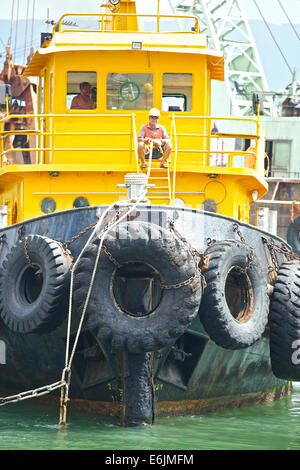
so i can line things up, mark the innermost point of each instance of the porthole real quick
(48, 205)
(81, 202)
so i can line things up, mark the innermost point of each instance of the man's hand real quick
(157, 143)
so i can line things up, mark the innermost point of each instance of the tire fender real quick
(235, 305)
(146, 243)
(285, 323)
(34, 300)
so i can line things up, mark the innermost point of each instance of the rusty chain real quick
(65, 245)
(183, 283)
(194, 252)
(78, 235)
(290, 255)
(274, 260)
(196, 256)
(33, 266)
(251, 256)
(110, 256)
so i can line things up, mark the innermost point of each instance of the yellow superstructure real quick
(79, 156)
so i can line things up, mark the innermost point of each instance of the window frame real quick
(178, 93)
(82, 111)
(110, 110)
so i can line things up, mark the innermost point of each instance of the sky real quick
(270, 8)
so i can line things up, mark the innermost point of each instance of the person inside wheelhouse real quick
(83, 100)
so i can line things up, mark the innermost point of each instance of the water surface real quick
(273, 426)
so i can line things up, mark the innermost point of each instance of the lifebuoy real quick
(293, 235)
(285, 323)
(34, 297)
(235, 305)
(138, 246)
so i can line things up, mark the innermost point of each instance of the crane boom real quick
(226, 24)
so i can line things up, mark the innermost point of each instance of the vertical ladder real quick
(162, 180)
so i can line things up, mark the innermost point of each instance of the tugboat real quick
(136, 287)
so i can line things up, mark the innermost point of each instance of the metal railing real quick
(201, 156)
(104, 16)
(40, 133)
(249, 157)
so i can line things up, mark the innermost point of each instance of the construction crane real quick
(226, 25)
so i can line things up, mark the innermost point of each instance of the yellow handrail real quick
(134, 135)
(175, 158)
(228, 154)
(51, 148)
(40, 133)
(57, 27)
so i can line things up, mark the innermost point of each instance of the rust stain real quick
(170, 408)
(205, 405)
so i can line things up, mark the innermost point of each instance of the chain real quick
(64, 397)
(237, 230)
(110, 256)
(251, 256)
(193, 251)
(33, 266)
(32, 393)
(107, 226)
(290, 255)
(21, 231)
(181, 284)
(65, 245)
(271, 248)
(114, 219)
(196, 255)
(79, 234)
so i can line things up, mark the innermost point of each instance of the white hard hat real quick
(154, 112)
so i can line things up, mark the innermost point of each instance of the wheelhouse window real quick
(81, 90)
(129, 91)
(177, 92)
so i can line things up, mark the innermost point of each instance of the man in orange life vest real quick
(158, 134)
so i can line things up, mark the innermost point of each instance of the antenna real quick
(11, 22)
(16, 34)
(26, 26)
(48, 21)
(65, 23)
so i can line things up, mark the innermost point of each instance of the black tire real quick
(293, 235)
(34, 300)
(139, 242)
(285, 323)
(235, 305)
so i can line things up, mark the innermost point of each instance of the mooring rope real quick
(66, 374)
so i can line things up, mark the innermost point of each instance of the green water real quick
(276, 425)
